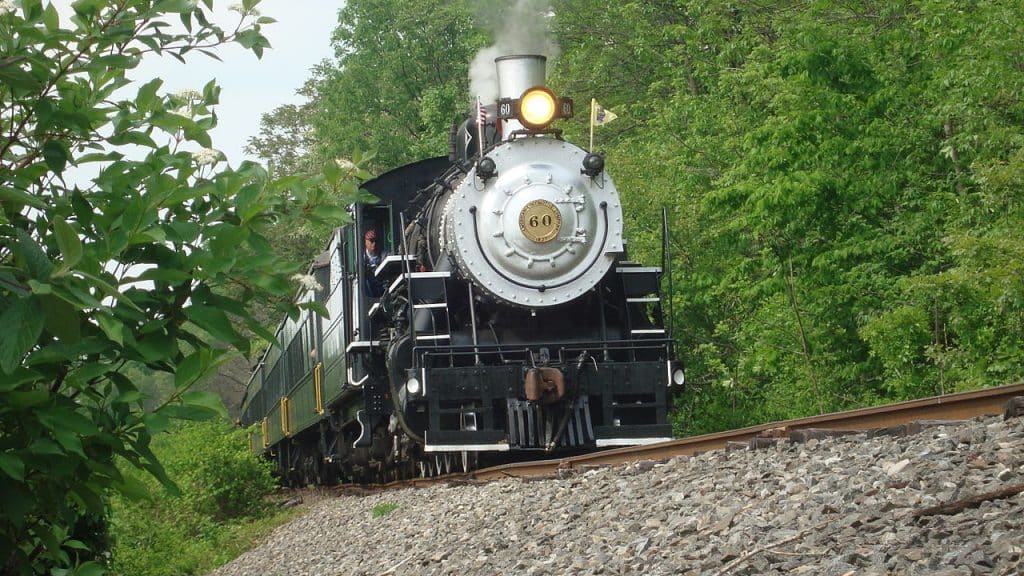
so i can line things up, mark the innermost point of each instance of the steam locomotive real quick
(506, 321)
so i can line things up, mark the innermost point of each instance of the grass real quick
(383, 509)
(169, 549)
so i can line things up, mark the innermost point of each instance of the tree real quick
(399, 79)
(286, 140)
(843, 185)
(154, 263)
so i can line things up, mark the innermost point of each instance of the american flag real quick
(481, 114)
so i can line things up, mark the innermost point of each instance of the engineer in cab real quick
(373, 255)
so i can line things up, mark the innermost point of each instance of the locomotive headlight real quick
(678, 377)
(537, 107)
(413, 386)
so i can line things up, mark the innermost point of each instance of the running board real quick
(465, 441)
(603, 442)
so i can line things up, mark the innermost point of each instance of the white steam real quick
(521, 27)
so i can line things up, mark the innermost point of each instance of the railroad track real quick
(947, 408)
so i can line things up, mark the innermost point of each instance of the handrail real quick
(285, 420)
(318, 391)
(353, 382)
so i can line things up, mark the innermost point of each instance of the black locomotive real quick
(501, 320)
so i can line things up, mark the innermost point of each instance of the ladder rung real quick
(416, 276)
(388, 260)
(434, 337)
(433, 305)
(648, 331)
(374, 309)
(361, 345)
(646, 299)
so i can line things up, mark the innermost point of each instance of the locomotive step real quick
(638, 270)
(390, 262)
(419, 278)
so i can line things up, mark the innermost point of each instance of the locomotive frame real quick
(447, 370)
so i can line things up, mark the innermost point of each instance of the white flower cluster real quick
(344, 164)
(206, 156)
(187, 94)
(238, 7)
(307, 281)
(6, 7)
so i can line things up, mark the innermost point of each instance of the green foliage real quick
(286, 140)
(399, 79)
(153, 263)
(844, 188)
(383, 509)
(843, 181)
(222, 505)
(219, 476)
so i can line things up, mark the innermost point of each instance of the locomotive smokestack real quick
(519, 72)
(516, 74)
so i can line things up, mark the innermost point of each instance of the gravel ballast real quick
(945, 502)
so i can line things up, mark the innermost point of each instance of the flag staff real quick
(593, 102)
(481, 117)
(599, 116)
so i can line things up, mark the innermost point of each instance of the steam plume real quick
(520, 27)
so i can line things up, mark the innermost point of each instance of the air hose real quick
(580, 363)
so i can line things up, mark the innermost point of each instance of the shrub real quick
(217, 473)
(222, 507)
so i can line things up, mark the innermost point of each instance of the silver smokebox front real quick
(516, 74)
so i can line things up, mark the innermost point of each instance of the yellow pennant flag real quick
(599, 115)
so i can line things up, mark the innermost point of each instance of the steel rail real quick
(947, 407)
(958, 406)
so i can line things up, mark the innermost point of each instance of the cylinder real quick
(519, 72)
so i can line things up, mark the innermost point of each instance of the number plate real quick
(540, 221)
(506, 109)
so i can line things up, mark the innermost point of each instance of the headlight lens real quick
(537, 107)
(678, 378)
(412, 385)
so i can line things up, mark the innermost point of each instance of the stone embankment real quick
(946, 501)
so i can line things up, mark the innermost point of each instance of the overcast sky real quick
(251, 87)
